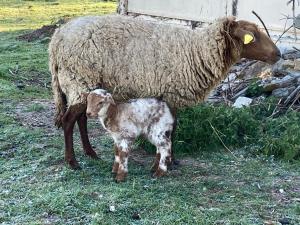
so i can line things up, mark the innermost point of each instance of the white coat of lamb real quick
(148, 117)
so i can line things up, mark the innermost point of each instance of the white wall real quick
(271, 11)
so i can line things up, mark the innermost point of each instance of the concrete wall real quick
(271, 11)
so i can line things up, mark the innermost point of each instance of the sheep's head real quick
(256, 44)
(98, 102)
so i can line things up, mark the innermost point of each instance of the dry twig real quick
(218, 136)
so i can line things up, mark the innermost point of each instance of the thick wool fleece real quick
(133, 58)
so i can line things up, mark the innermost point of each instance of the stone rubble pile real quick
(249, 82)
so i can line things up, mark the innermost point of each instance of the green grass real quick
(20, 14)
(210, 187)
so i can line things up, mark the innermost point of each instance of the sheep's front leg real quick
(123, 163)
(117, 160)
(165, 158)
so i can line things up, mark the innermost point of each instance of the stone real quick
(284, 65)
(254, 70)
(297, 64)
(280, 92)
(242, 102)
(279, 83)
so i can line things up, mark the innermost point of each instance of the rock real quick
(293, 54)
(112, 208)
(297, 64)
(279, 83)
(266, 72)
(295, 74)
(242, 101)
(20, 85)
(254, 70)
(284, 221)
(282, 65)
(281, 92)
(136, 216)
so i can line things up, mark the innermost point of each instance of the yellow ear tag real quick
(248, 39)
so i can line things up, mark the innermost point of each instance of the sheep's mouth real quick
(273, 60)
(91, 116)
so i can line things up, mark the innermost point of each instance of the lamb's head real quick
(255, 43)
(98, 102)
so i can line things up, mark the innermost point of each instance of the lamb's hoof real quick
(174, 164)
(120, 177)
(154, 168)
(91, 153)
(74, 165)
(115, 168)
(159, 173)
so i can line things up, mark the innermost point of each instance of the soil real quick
(41, 33)
(45, 31)
(37, 119)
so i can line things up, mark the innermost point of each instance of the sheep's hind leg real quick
(174, 163)
(82, 124)
(68, 122)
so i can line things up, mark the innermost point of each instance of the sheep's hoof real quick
(159, 173)
(120, 177)
(74, 165)
(91, 153)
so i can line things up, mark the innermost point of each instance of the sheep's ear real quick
(246, 36)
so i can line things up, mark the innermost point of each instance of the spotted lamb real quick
(149, 117)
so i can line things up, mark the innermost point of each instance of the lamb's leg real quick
(117, 160)
(155, 165)
(123, 164)
(165, 157)
(82, 124)
(68, 122)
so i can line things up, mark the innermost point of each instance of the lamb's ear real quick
(109, 98)
(84, 95)
(246, 37)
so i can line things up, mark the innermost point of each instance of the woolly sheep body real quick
(133, 58)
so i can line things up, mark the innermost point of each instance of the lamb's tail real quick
(59, 97)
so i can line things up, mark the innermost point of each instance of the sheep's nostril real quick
(88, 114)
(279, 54)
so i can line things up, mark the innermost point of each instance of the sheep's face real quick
(98, 102)
(256, 44)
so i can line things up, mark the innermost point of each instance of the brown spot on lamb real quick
(134, 58)
(126, 121)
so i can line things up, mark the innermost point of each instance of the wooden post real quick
(122, 7)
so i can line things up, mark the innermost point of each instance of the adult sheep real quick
(133, 58)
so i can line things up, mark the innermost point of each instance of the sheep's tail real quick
(59, 97)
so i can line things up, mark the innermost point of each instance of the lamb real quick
(126, 121)
(133, 58)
